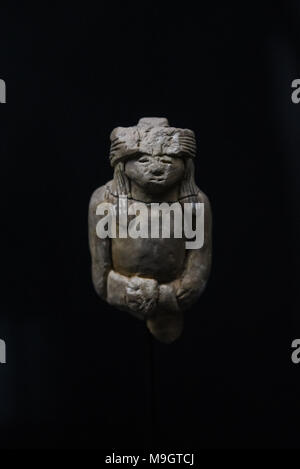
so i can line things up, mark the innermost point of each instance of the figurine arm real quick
(185, 290)
(132, 294)
(99, 248)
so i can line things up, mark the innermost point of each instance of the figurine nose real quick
(157, 170)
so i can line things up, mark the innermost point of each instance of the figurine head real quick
(154, 156)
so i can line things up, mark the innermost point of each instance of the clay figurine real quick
(154, 277)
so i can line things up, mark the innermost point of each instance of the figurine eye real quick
(144, 159)
(166, 161)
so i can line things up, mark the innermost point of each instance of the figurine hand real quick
(186, 295)
(141, 296)
(174, 295)
(167, 297)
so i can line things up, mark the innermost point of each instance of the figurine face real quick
(155, 174)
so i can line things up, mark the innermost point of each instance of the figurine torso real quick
(160, 259)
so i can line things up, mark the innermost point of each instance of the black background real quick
(80, 374)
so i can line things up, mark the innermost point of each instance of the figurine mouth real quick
(158, 179)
